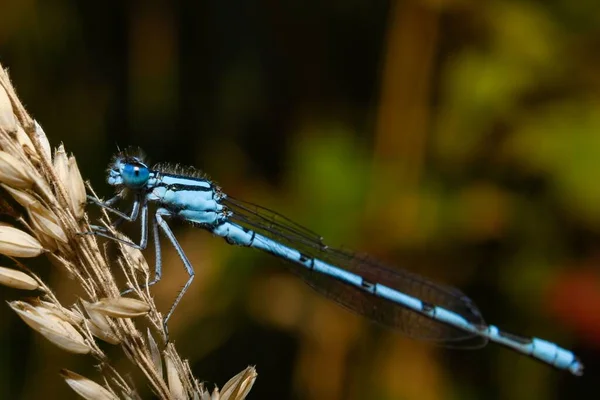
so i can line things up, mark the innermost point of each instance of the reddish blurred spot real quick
(575, 299)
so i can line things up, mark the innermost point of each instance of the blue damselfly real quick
(395, 298)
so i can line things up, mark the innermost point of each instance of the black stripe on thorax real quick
(178, 187)
(186, 177)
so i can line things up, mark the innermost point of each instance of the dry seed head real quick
(85, 387)
(238, 387)
(23, 198)
(61, 164)
(42, 219)
(16, 243)
(20, 174)
(76, 188)
(26, 143)
(51, 326)
(64, 313)
(62, 332)
(22, 169)
(205, 395)
(97, 317)
(47, 222)
(120, 307)
(17, 279)
(99, 325)
(103, 333)
(69, 175)
(173, 380)
(14, 172)
(155, 354)
(18, 109)
(7, 116)
(134, 256)
(43, 139)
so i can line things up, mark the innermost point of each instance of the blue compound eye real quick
(135, 175)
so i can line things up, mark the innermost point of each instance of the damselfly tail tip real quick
(577, 367)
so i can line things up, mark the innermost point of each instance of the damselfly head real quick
(128, 170)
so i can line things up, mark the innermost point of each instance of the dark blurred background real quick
(459, 139)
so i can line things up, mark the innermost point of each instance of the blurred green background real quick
(459, 139)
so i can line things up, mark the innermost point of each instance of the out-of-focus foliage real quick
(459, 139)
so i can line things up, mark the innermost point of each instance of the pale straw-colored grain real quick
(60, 162)
(74, 316)
(135, 257)
(26, 144)
(175, 384)
(13, 172)
(85, 387)
(16, 243)
(76, 188)
(155, 353)
(102, 333)
(70, 176)
(120, 307)
(97, 317)
(42, 219)
(22, 197)
(99, 325)
(51, 326)
(239, 386)
(215, 395)
(42, 140)
(7, 115)
(17, 279)
(46, 222)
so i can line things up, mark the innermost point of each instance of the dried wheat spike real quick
(45, 197)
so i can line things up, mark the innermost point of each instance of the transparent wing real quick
(280, 229)
(270, 220)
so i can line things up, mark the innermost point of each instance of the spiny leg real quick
(159, 221)
(110, 202)
(186, 263)
(108, 205)
(132, 217)
(158, 257)
(103, 232)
